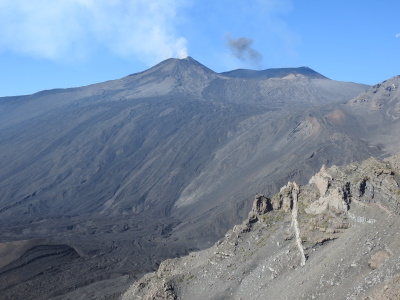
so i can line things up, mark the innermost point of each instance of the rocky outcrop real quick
(333, 193)
(261, 205)
(343, 224)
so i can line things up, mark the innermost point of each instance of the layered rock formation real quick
(334, 238)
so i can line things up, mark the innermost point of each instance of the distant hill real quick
(274, 73)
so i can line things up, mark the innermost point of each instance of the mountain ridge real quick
(173, 64)
(105, 168)
(274, 73)
(339, 208)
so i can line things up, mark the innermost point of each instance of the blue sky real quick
(47, 44)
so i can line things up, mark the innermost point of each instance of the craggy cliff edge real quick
(337, 237)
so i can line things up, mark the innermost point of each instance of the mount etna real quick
(99, 184)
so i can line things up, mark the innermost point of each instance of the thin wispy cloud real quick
(397, 35)
(242, 49)
(71, 29)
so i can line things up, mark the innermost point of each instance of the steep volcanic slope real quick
(378, 113)
(153, 165)
(278, 147)
(290, 144)
(117, 147)
(335, 238)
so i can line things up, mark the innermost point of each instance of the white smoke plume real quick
(72, 29)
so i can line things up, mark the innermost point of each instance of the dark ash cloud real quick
(241, 49)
